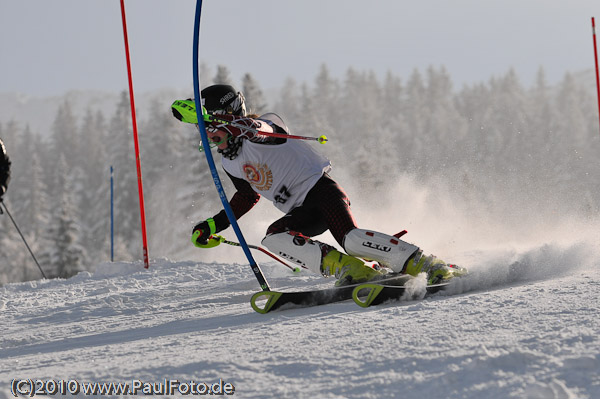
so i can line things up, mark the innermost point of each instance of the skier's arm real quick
(224, 124)
(242, 201)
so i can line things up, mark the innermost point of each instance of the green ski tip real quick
(371, 294)
(271, 298)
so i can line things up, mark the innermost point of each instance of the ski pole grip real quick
(207, 227)
(212, 242)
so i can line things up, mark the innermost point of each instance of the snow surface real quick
(523, 324)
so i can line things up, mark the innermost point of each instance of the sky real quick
(51, 47)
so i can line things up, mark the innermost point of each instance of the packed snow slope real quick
(523, 324)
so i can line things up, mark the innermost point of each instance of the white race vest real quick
(283, 173)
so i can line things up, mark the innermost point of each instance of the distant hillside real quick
(39, 112)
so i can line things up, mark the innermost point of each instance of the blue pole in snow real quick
(209, 158)
(112, 218)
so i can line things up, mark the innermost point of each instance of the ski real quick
(376, 293)
(275, 300)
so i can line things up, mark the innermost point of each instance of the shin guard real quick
(296, 248)
(385, 249)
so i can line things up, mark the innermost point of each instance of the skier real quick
(296, 179)
(4, 170)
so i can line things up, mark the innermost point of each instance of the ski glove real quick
(185, 111)
(202, 232)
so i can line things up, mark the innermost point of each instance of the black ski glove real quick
(202, 232)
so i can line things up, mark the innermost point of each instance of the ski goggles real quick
(214, 143)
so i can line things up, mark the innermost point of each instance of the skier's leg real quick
(330, 201)
(319, 257)
(398, 255)
(387, 250)
(304, 220)
(325, 207)
(327, 203)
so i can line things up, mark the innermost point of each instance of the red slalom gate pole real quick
(138, 163)
(596, 60)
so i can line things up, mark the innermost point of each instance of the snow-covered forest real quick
(497, 150)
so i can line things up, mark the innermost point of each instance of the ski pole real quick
(211, 118)
(185, 111)
(19, 230)
(220, 239)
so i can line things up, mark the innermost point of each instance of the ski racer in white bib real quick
(292, 175)
(272, 170)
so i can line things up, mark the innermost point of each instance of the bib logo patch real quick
(259, 176)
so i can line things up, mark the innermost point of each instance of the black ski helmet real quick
(223, 99)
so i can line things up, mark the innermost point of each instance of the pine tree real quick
(360, 123)
(288, 106)
(509, 121)
(65, 137)
(319, 107)
(121, 156)
(444, 129)
(255, 101)
(169, 149)
(326, 96)
(413, 111)
(94, 199)
(222, 77)
(67, 254)
(543, 128)
(394, 128)
(160, 142)
(391, 95)
(35, 205)
(205, 71)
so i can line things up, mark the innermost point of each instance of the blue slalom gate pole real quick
(209, 158)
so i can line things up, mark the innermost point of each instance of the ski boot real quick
(437, 270)
(347, 269)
